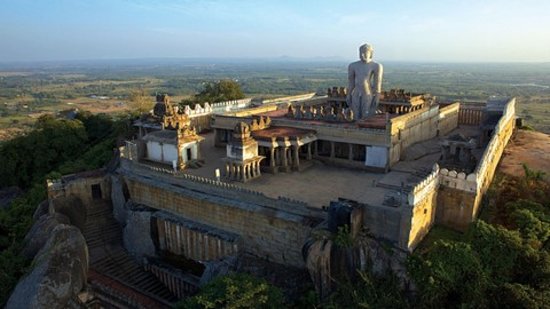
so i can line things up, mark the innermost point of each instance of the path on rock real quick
(529, 147)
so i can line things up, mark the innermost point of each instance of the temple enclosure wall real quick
(270, 233)
(460, 194)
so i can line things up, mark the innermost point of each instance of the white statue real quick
(365, 84)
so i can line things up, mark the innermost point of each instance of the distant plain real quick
(28, 90)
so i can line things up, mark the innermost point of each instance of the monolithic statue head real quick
(365, 53)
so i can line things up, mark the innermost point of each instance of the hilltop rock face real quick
(73, 208)
(40, 232)
(42, 209)
(59, 273)
(329, 263)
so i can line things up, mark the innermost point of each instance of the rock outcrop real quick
(42, 209)
(328, 263)
(40, 232)
(59, 273)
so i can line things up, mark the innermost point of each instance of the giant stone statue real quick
(365, 84)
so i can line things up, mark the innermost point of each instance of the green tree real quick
(450, 274)
(140, 101)
(223, 90)
(237, 290)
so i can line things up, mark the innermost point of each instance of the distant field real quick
(28, 92)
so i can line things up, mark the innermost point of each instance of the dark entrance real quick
(188, 154)
(96, 191)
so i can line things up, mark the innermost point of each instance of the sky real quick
(431, 30)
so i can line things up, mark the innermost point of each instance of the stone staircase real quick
(107, 257)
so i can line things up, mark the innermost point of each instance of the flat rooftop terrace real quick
(321, 183)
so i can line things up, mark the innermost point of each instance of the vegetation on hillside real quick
(501, 262)
(237, 290)
(55, 147)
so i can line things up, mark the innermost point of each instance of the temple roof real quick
(274, 131)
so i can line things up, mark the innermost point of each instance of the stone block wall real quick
(471, 114)
(411, 128)
(383, 221)
(194, 241)
(80, 186)
(420, 210)
(448, 118)
(270, 233)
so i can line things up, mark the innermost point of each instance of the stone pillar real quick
(284, 155)
(309, 151)
(272, 158)
(296, 156)
(350, 153)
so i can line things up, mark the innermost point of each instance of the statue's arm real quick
(351, 79)
(378, 79)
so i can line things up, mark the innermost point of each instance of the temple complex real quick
(273, 183)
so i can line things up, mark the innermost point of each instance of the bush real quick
(450, 274)
(234, 291)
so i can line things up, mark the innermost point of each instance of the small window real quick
(96, 191)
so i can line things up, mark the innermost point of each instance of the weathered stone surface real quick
(328, 263)
(137, 233)
(72, 207)
(40, 232)
(41, 209)
(59, 272)
(219, 268)
(118, 199)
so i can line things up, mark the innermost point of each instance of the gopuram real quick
(267, 187)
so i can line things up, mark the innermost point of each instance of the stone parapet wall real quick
(459, 180)
(293, 98)
(501, 135)
(226, 106)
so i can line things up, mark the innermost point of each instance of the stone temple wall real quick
(411, 128)
(448, 118)
(421, 209)
(266, 232)
(85, 186)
